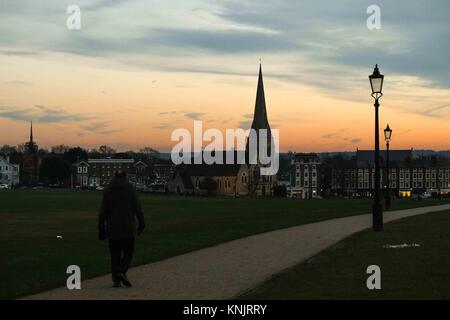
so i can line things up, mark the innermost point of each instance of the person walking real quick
(117, 222)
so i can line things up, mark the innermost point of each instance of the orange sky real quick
(142, 108)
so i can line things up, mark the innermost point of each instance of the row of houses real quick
(314, 177)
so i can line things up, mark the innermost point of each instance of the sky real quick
(139, 69)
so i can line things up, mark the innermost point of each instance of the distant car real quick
(100, 188)
(426, 195)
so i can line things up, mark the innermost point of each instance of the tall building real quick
(306, 181)
(31, 162)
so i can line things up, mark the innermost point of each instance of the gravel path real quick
(228, 269)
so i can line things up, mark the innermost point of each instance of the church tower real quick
(31, 162)
(260, 185)
(31, 147)
(260, 119)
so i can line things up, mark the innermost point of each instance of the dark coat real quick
(119, 207)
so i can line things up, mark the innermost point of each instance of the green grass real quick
(339, 272)
(33, 260)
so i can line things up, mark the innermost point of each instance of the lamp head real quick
(376, 82)
(387, 134)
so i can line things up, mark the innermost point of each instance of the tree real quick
(60, 149)
(21, 148)
(106, 150)
(7, 149)
(75, 154)
(54, 169)
(209, 185)
(280, 191)
(148, 151)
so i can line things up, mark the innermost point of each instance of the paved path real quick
(228, 269)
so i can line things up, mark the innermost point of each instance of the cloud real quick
(42, 114)
(223, 41)
(437, 112)
(17, 53)
(194, 115)
(340, 136)
(330, 135)
(19, 83)
(162, 126)
(245, 124)
(310, 42)
(167, 113)
(98, 127)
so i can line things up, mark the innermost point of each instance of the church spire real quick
(260, 120)
(31, 132)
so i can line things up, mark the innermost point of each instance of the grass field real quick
(340, 271)
(33, 259)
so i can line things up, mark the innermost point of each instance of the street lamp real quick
(376, 83)
(387, 138)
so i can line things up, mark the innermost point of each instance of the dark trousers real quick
(121, 255)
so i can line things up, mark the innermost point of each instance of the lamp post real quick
(387, 138)
(376, 83)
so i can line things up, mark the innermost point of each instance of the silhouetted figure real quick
(117, 222)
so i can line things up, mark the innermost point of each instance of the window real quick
(80, 169)
(85, 169)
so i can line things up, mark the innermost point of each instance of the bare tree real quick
(148, 151)
(21, 148)
(106, 150)
(7, 149)
(60, 149)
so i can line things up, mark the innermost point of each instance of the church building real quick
(231, 179)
